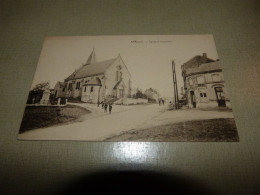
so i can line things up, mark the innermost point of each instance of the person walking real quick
(98, 104)
(110, 108)
(102, 105)
(105, 110)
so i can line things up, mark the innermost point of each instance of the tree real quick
(140, 94)
(152, 94)
(42, 86)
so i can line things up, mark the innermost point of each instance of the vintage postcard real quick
(129, 88)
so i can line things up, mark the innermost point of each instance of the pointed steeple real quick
(92, 58)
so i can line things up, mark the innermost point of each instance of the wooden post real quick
(175, 87)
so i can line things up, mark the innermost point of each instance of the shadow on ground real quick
(135, 182)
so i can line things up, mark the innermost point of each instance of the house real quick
(59, 89)
(204, 84)
(98, 81)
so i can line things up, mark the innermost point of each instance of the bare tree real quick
(42, 86)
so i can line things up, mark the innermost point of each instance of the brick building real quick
(204, 83)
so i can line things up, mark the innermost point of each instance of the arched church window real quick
(117, 75)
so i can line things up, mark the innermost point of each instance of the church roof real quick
(91, 70)
(92, 58)
(94, 81)
(203, 68)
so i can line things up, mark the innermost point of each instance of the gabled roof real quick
(92, 58)
(207, 67)
(197, 61)
(61, 83)
(91, 70)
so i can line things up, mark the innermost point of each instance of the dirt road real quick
(99, 125)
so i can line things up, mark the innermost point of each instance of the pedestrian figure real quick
(110, 108)
(102, 105)
(159, 102)
(98, 103)
(105, 108)
(163, 102)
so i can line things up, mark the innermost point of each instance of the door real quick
(220, 97)
(193, 99)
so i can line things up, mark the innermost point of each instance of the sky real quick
(147, 57)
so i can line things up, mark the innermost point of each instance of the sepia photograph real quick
(154, 88)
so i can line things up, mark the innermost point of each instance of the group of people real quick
(161, 101)
(105, 106)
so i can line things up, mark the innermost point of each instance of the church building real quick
(98, 81)
(204, 83)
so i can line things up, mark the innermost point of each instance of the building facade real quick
(99, 81)
(59, 90)
(204, 83)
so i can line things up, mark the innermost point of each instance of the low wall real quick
(136, 101)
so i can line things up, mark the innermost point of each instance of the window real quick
(92, 89)
(78, 85)
(116, 75)
(85, 89)
(215, 77)
(200, 80)
(190, 81)
(70, 87)
(203, 97)
(63, 89)
(120, 75)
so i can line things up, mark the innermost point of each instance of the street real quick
(98, 125)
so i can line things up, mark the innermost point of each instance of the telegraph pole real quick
(175, 87)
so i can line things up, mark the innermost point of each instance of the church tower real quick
(92, 58)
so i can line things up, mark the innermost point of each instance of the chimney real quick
(204, 55)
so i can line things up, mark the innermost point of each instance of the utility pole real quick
(175, 87)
